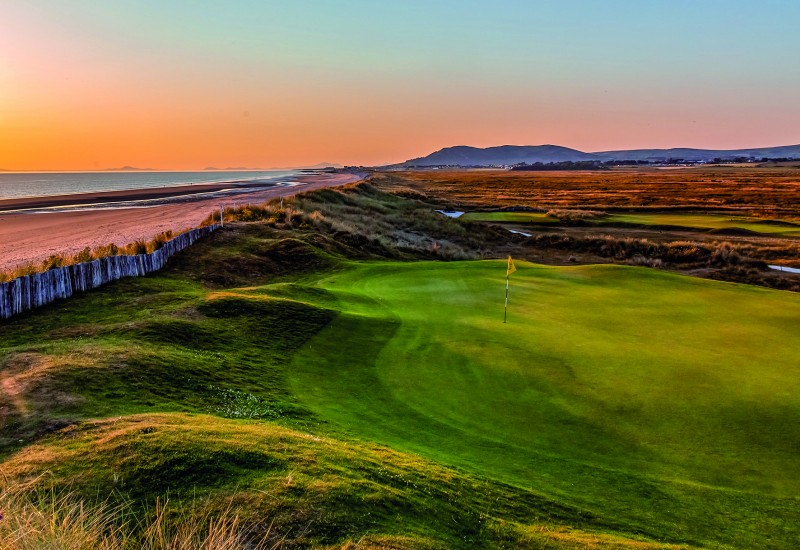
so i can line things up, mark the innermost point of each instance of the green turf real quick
(706, 221)
(689, 221)
(649, 398)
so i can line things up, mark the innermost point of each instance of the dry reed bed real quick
(756, 190)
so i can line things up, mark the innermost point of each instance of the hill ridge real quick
(503, 155)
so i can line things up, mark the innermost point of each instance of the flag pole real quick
(505, 309)
(510, 268)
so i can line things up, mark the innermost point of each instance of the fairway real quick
(507, 217)
(645, 397)
(688, 221)
(707, 221)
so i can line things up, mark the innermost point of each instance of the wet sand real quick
(27, 237)
(172, 194)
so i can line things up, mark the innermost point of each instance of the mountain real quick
(786, 151)
(244, 168)
(505, 155)
(231, 169)
(128, 169)
(311, 166)
(321, 165)
(463, 155)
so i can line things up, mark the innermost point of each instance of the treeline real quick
(607, 164)
(565, 165)
(582, 165)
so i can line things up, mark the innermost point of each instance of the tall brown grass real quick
(765, 192)
(37, 519)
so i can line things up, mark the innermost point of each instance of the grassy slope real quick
(161, 386)
(689, 221)
(648, 398)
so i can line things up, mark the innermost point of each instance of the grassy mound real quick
(295, 488)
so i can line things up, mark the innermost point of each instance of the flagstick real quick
(505, 309)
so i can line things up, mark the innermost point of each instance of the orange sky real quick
(185, 85)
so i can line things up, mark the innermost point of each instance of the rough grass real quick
(769, 192)
(37, 518)
(287, 488)
(374, 224)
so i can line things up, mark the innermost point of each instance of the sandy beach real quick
(27, 236)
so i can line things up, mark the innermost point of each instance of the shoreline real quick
(77, 221)
(129, 195)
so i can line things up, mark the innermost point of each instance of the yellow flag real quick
(511, 268)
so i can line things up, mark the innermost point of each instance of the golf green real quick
(643, 396)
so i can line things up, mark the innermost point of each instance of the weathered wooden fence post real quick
(38, 289)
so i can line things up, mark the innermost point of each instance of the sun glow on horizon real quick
(185, 85)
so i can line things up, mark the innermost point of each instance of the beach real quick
(30, 233)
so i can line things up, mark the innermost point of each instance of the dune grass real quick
(36, 519)
(647, 398)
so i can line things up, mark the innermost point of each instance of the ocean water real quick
(15, 185)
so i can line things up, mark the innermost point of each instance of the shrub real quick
(725, 254)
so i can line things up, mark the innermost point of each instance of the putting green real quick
(688, 221)
(640, 395)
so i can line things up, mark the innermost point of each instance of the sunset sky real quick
(189, 84)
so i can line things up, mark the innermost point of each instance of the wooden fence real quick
(36, 290)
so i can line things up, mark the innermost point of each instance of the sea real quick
(16, 185)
